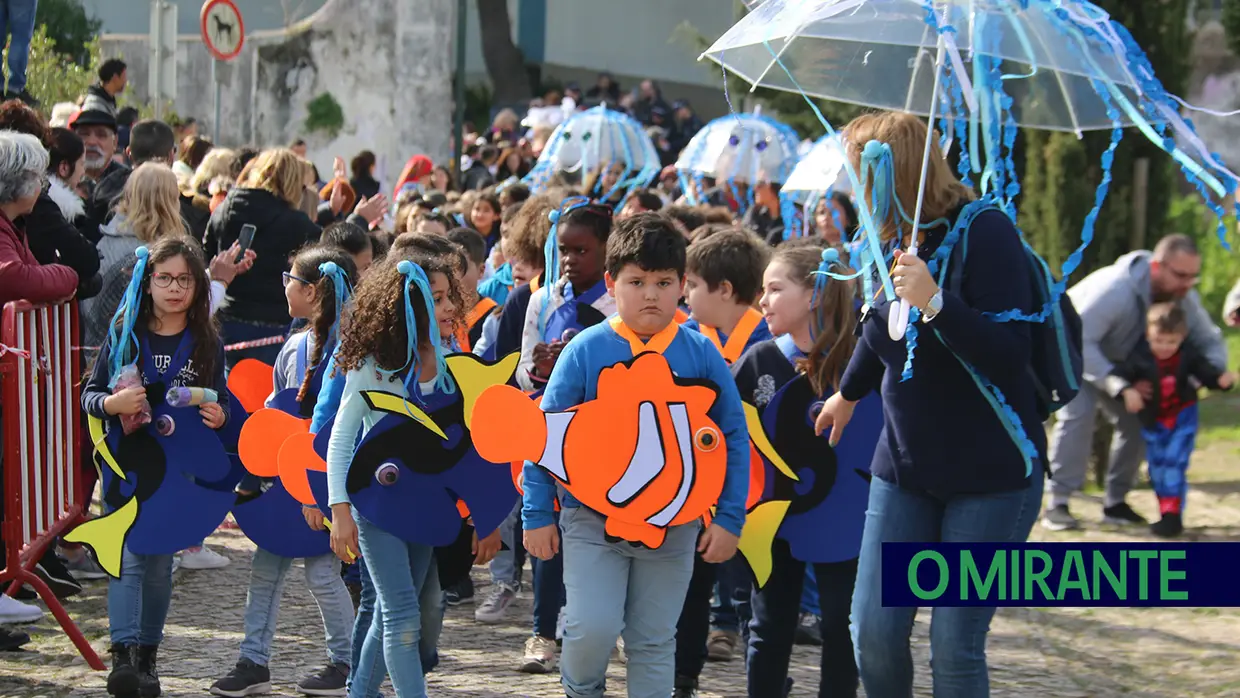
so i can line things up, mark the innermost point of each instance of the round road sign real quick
(222, 29)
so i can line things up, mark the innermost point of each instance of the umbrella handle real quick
(897, 318)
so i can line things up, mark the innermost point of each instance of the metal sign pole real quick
(215, 123)
(458, 121)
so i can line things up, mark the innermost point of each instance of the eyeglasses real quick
(165, 280)
(291, 277)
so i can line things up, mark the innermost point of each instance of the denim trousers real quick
(138, 601)
(776, 610)
(370, 668)
(17, 21)
(957, 635)
(732, 582)
(809, 593)
(398, 570)
(549, 592)
(617, 589)
(506, 566)
(262, 604)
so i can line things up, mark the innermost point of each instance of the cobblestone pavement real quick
(1060, 653)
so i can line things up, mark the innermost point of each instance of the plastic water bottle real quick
(188, 397)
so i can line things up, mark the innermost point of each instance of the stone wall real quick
(387, 63)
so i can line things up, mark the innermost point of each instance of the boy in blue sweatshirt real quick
(615, 588)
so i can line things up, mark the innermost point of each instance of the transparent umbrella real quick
(987, 65)
(819, 173)
(738, 149)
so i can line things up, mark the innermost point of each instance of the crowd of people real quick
(145, 222)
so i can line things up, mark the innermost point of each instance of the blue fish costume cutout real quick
(163, 492)
(417, 461)
(820, 513)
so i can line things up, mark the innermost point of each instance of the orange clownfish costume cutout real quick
(643, 453)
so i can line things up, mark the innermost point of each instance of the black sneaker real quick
(809, 630)
(24, 96)
(460, 594)
(246, 679)
(123, 681)
(52, 571)
(328, 681)
(686, 687)
(148, 674)
(1058, 518)
(1169, 526)
(12, 640)
(1122, 515)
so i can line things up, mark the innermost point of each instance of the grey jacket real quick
(1113, 302)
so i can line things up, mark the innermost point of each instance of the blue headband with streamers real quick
(416, 276)
(340, 283)
(121, 330)
(551, 250)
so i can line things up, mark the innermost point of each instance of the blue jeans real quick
(733, 581)
(371, 654)
(809, 593)
(618, 589)
(957, 635)
(262, 604)
(138, 601)
(17, 21)
(548, 593)
(776, 610)
(506, 566)
(233, 331)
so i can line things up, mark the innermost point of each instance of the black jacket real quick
(258, 295)
(476, 177)
(366, 187)
(102, 200)
(1193, 373)
(195, 216)
(54, 240)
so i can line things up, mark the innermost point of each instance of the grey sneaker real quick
(1058, 518)
(496, 606)
(540, 656)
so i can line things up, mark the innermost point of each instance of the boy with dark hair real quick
(615, 587)
(723, 279)
(1176, 370)
(475, 247)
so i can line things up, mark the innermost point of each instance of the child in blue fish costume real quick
(164, 325)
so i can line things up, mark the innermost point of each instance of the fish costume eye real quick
(815, 410)
(387, 474)
(707, 439)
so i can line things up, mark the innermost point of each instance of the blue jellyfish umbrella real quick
(737, 151)
(599, 142)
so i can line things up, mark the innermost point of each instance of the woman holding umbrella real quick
(948, 467)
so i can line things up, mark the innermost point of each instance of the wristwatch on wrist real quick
(933, 307)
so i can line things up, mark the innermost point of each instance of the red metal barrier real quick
(40, 401)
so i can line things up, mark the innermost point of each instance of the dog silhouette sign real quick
(223, 32)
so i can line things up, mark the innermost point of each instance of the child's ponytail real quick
(832, 325)
(335, 269)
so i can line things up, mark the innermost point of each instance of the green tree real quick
(53, 77)
(69, 27)
(1231, 23)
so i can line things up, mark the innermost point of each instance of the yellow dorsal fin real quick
(98, 438)
(758, 536)
(758, 436)
(473, 375)
(395, 404)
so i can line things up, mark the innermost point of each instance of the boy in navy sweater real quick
(615, 588)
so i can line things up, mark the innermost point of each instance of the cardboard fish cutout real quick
(812, 496)
(414, 464)
(643, 453)
(166, 486)
(250, 380)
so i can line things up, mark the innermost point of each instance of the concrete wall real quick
(384, 61)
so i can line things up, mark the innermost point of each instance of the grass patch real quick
(1219, 411)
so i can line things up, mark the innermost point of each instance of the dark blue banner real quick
(1061, 574)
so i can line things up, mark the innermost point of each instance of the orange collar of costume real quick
(658, 343)
(739, 337)
(484, 306)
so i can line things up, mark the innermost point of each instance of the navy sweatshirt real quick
(512, 321)
(941, 435)
(163, 347)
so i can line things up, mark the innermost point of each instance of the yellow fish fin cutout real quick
(758, 536)
(758, 436)
(106, 535)
(328, 523)
(395, 404)
(97, 437)
(474, 376)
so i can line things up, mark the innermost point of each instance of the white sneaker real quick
(14, 611)
(540, 654)
(559, 625)
(496, 606)
(202, 558)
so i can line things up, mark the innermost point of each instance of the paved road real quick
(1065, 653)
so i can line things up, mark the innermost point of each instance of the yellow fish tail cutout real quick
(758, 436)
(473, 376)
(97, 437)
(395, 404)
(106, 535)
(758, 536)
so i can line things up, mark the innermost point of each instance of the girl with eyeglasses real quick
(165, 329)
